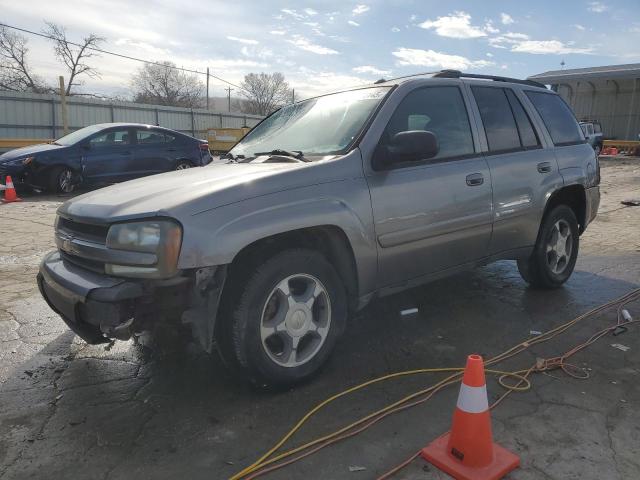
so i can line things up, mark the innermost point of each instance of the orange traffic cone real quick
(467, 452)
(10, 192)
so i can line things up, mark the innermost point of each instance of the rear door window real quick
(150, 137)
(440, 110)
(528, 137)
(497, 118)
(557, 117)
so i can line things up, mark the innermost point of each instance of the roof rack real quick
(459, 74)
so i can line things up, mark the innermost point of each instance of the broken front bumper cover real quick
(94, 306)
(98, 307)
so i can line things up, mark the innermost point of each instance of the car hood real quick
(185, 192)
(30, 150)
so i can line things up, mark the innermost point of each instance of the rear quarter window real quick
(557, 117)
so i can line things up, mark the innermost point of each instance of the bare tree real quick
(15, 71)
(164, 84)
(74, 56)
(265, 92)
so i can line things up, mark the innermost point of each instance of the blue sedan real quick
(103, 154)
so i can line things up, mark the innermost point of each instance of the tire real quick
(61, 180)
(597, 149)
(556, 250)
(183, 165)
(259, 330)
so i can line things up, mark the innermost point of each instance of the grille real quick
(93, 265)
(86, 231)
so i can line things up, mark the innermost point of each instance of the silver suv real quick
(325, 205)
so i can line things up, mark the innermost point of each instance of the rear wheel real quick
(183, 165)
(61, 180)
(285, 318)
(597, 149)
(556, 250)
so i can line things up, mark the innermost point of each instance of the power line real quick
(100, 50)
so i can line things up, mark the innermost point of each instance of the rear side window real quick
(150, 137)
(499, 123)
(528, 136)
(557, 117)
(440, 110)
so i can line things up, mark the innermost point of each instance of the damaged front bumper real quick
(99, 307)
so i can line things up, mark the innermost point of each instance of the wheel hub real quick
(297, 321)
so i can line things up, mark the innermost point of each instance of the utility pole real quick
(293, 95)
(229, 97)
(63, 107)
(207, 88)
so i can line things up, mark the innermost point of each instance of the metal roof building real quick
(609, 94)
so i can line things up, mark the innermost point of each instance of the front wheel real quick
(556, 250)
(285, 318)
(61, 180)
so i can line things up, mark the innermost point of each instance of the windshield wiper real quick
(297, 154)
(230, 156)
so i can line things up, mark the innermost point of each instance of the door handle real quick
(544, 167)
(124, 154)
(475, 179)
(171, 149)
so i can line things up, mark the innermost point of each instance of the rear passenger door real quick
(432, 214)
(153, 153)
(522, 171)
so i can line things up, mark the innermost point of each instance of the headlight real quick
(161, 237)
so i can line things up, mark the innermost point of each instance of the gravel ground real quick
(74, 411)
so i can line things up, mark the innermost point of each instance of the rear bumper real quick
(98, 307)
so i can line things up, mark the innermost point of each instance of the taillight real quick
(204, 146)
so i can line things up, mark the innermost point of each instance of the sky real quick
(322, 46)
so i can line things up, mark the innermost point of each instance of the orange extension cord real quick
(265, 465)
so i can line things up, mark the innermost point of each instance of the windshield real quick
(318, 126)
(78, 135)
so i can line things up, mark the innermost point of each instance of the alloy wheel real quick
(65, 181)
(295, 320)
(559, 247)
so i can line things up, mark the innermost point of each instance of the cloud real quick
(304, 44)
(246, 41)
(370, 69)
(597, 7)
(455, 25)
(516, 36)
(395, 29)
(489, 54)
(520, 42)
(311, 82)
(430, 58)
(579, 27)
(277, 32)
(545, 47)
(310, 11)
(506, 19)
(360, 9)
(353, 24)
(293, 13)
(489, 28)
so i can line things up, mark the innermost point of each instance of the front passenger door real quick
(433, 214)
(107, 156)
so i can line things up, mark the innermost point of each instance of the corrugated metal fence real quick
(30, 115)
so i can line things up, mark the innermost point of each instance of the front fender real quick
(215, 237)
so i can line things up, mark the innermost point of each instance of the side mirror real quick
(413, 145)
